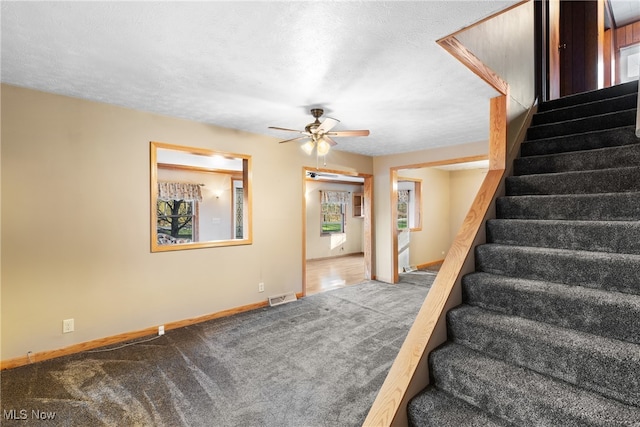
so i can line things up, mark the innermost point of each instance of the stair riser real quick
(616, 157)
(610, 92)
(589, 124)
(549, 351)
(590, 182)
(604, 207)
(522, 397)
(614, 272)
(584, 141)
(433, 408)
(626, 102)
(585, 311)
(615, 237)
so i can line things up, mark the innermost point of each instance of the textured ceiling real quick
(249, 65)
(624, 11)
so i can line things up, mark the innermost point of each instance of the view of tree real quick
(175, 218)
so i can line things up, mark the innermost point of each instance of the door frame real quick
(367, 194)
(549, 27)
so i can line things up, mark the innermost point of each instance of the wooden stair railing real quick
(410, 371)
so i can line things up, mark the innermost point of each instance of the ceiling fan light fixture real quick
(323, 147)
(308, 147)
(320, 133)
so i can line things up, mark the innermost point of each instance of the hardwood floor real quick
(333, 273)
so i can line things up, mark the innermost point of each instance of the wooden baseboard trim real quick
(127, 336)
(430, 263)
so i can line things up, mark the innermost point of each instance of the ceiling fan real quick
(319, 134)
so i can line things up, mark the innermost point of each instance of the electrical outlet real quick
(67, 326)
(261, 287)
(161, 330)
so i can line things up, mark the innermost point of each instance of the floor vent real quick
(282, 299)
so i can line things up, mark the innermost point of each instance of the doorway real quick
(580, 49)
(337, 229)
(426, 217)
(575, 49)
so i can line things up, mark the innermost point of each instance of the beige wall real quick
(323, 246)
(506, 45)
(76, 226)
(464, 185)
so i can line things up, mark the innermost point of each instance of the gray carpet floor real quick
(318, 361)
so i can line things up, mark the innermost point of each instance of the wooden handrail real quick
(464, 55)
(410, 371)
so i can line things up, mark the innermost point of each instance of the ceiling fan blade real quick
(289, 130)
(294, 139)
(326, 125)
(349, 133)
(329, 140)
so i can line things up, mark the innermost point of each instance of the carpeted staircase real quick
(549, 330)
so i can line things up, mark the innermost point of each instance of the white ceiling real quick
(624, 11)
(249, 65)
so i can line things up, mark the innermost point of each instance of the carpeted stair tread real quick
(586, 124)
(601, 270)
(625, 179)
(602, 158)
(603, 365)
(593, 108)
(438, 409)
(612, 315)
(599, 236)
(581, 141)
(521, 396)
(549, 330)
(587, 207)
(590, 96)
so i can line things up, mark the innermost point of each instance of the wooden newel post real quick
(498, 133)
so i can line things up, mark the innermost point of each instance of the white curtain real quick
(335, 197)
(179, 191)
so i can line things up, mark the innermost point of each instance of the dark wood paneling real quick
(627, 35)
